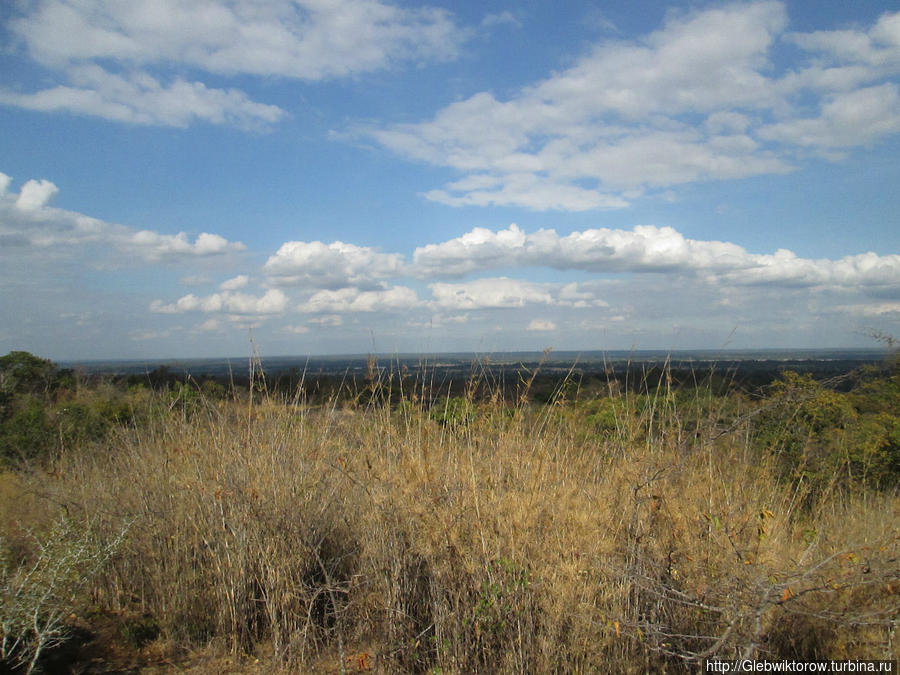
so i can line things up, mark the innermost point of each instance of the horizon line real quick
(548, 353)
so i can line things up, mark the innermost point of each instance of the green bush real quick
(27, 433)
(602, 416)
(826, 438)
(79, 423)
(453, 412)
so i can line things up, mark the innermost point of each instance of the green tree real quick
(25, 373)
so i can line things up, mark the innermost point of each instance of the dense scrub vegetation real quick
(402, 527)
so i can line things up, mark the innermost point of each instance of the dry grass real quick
(517, 540)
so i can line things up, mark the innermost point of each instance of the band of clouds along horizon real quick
(338, 277)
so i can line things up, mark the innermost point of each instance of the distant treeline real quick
(345, 379)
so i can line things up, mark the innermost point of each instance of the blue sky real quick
(345, 176)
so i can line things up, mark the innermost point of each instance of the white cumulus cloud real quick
(156, 246)
(331, 266)
(27, 220)
(785, 268)
(645, 248)
(35, 194)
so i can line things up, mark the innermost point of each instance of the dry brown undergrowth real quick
(512, 541)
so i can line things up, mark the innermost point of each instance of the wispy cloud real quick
(846, 120)
(331, 320)
(541, 325)
(139, 98)
(273, 301)
(697, 100)
(106, 53)
(878, 48)
(497, 293)
(348, 300)
(506, 293)
(306, 39)
(235, 283)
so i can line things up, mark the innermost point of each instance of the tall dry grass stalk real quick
(510, 538)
